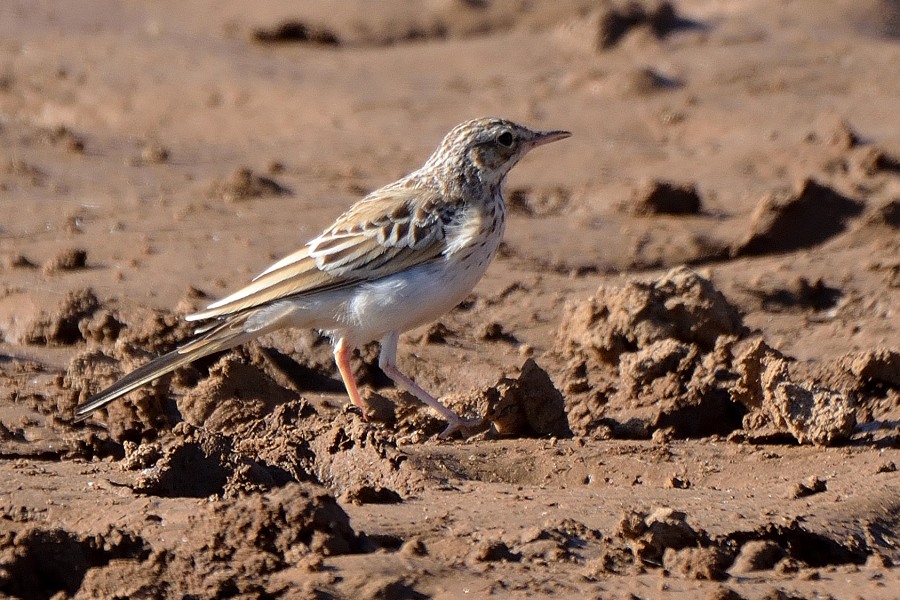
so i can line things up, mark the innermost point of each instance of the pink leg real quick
(387, 361)
(342, 359)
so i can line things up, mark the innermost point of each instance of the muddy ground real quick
(687, 352)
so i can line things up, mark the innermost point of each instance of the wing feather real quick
(388, 231)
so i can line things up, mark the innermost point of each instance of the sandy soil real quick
(688, 351)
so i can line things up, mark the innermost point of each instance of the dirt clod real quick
(67, 260)
(778, 404)
(663, 198)
(369, 494)
(617, 20)
(682, 305)
(244, 184)
(296, 32)
(527, 405)
(63, 325)
(808, 487)
(875, 366)
(650, 535)
(234, 393)
(697, 563)
(757, 555)
(804, 217)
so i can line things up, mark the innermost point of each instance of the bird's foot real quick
(465, 427)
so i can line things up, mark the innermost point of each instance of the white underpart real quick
(396, 303)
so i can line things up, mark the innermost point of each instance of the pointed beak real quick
(545, 137)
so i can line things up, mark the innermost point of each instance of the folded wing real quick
(386, 232)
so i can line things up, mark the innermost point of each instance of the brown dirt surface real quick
(685, 359)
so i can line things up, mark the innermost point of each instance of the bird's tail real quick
(220, 336)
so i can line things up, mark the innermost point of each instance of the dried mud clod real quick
(664, 538)
(38, 562)
(617, 20)
(16, 261)
(800, 294)
(295, 519)
(649, 355)
(21, 169)
(141, 413)
(155, 153)
(295, 32)
(650, 534)
(229, 453)
(875, 366)
(808, 487)
(872, 161)
(806, 216)
(538, 202)
(123, 348)
(199, 464)
(778, 406)
(63, 136)
(244, 184)
(682, 305)
(67, 260)
(554, 541)
(697, 563)
(773, 545)
(233, 547)
(233, 394)
(663, 198)
(528, 405)
(885, 213)
(666, 355)
(62, 326)
(757, 555)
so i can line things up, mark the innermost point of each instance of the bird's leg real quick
(342, 359)
(387, 361)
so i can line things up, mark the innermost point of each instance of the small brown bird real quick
(400, 257)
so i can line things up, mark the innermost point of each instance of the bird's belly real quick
(411, 298)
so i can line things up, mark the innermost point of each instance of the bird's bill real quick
(545, 137)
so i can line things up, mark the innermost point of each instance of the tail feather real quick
(221, 336)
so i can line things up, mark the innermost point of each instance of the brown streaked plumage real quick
(398, 258)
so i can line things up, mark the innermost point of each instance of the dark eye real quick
(505, 139)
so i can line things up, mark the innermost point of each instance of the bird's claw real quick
(464, 426)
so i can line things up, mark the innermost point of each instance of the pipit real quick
(400, 257)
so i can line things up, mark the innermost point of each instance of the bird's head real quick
(488, 148)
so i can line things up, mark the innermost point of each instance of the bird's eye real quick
(505, 139)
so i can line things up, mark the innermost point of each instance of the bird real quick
(398, 258)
